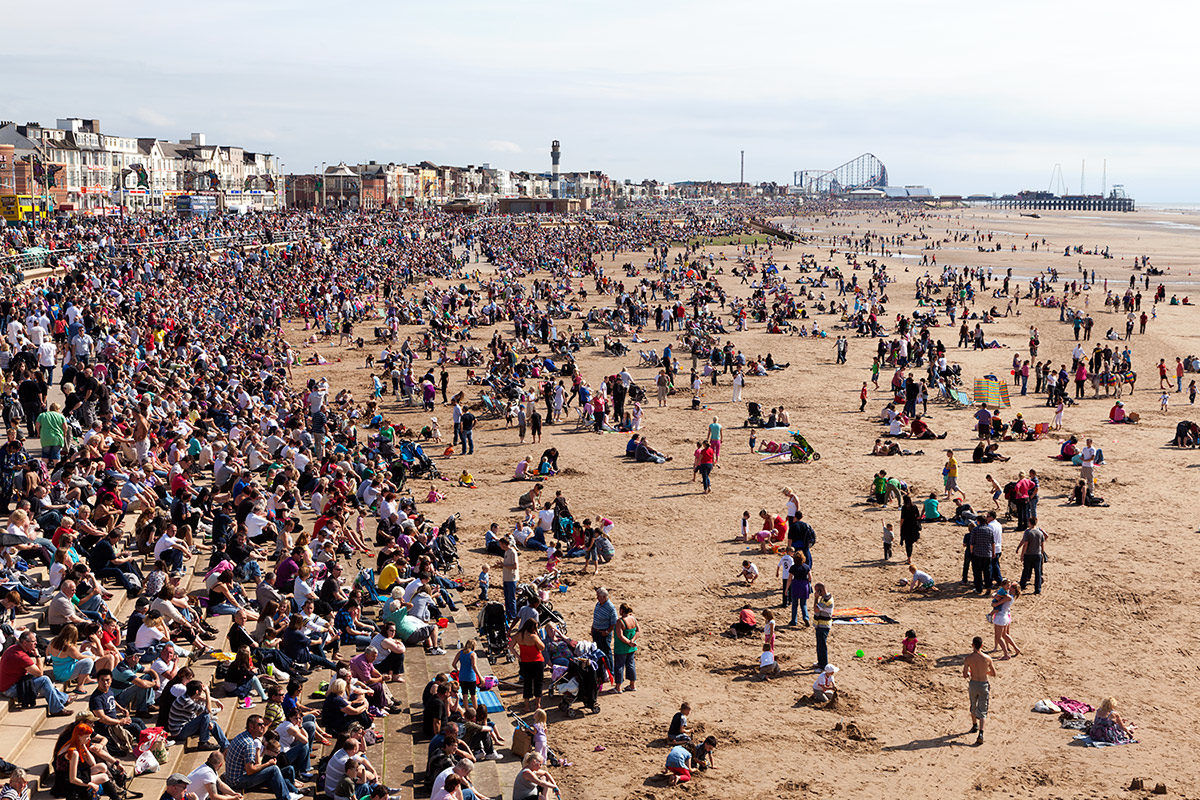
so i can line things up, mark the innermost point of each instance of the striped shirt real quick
(604, 616)
(823, 611)
(183, 711)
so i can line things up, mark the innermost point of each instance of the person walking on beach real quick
(739, 380)
(977, 669)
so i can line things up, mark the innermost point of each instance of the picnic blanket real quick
(1088, 741)
(861, 615)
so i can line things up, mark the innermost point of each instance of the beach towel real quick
(855, 611)
(1088, 741)
(491, 701)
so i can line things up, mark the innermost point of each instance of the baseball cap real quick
(177, 778)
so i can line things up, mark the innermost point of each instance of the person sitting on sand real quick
(645, 453)
(930, 511)
(1069, 449)
(679, 730)
(1119, 416)
(908, 649)
(1082, 495)
(1108, 726)
(768, 667)
(747, 623)
(885, 449)
(824, 688)
(466, 479)
(749, 573)
(921, 581)
(919, 429)
(522, 471)
(530, 498)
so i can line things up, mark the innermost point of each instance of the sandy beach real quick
(1115, 617)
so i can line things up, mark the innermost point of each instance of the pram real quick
(492, 626)
(580, 683)
(636, 393)
(756, 419)
(366, 580)
(419, 465)
(546, 613)
(799, 451)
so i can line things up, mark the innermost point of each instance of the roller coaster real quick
(864, 172)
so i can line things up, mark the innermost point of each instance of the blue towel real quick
(490, 700)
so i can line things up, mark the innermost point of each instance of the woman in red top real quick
(530, 648)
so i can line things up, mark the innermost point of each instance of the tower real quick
(554, 156)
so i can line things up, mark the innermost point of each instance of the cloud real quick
(151, 117)
(501, 146)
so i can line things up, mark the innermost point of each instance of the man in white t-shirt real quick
(204, 782)
(1087, 464)
(171, 551)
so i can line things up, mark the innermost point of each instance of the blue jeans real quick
(270, 778)
(623, 665)
(136, 699)
(222, 608)
(822, 647)
(297, 756)
(56, 701)
(798, 605)
(252, 685)
(51, 452)
(204, 726)
(510, 599)
(468, 442)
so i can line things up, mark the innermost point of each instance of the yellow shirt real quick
(387, 576)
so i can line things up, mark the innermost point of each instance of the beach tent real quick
(991, 391)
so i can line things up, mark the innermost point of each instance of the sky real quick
(963, 97)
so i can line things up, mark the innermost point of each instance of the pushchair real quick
(756, 419)
(581, 683)
(419, 465)
(546, 613)
(492, 626)
(636, 393)
(367, 581)
(801, 451)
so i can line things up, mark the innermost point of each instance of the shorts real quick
(684, 773)
(951, 483)
(979, 692)
(996, 494)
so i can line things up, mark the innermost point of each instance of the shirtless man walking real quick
(977, 668)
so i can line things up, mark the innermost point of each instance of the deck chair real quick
(1041, 429)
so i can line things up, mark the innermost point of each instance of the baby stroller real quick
(419, 465)
(580, 683)
(367, 581)
(636, 393)
(756, 419)
(801, 451)
(493, 632)
(546, 613)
